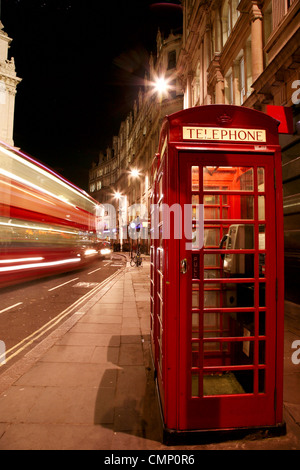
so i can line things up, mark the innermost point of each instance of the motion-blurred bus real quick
(47, 225)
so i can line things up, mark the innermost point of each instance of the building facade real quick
(111, 180)
(247, 53)
(8, 88)
(239, 52)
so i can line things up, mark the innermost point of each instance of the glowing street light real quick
(161, 85)
(135, 172)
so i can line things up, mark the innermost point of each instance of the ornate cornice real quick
(9, 77)
(214, 72)
(3, 34)
(8, 68)
(255, 12)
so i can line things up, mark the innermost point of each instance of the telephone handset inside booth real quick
(239, 237)
(241, 265)
(238, 265)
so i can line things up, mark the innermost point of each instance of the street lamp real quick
(122, 216)
(117, 195)
(161, 85)
(135, 172)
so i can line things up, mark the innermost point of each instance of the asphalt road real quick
(31, 310)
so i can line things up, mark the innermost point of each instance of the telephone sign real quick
(224, 134)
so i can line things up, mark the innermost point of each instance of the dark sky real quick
(81, 62)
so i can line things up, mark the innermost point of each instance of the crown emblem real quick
(224, 119)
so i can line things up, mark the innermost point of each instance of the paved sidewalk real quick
(89, 385)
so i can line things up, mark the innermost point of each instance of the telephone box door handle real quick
(183, 266)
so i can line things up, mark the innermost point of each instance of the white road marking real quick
(87, 285)
(12, 306)
(40, 332)
(94, 271)
(60, 285)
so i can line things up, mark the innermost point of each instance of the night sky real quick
(81, 64)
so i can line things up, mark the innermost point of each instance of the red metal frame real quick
(190, 413)
(172, 291)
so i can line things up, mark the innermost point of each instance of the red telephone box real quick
(217, 274)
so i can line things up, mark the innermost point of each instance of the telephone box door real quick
(227, 290)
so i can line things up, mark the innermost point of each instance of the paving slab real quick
(90, 386)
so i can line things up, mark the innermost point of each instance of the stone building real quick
(8, 86)
(136, 143)
(240, 52)
(247, 53)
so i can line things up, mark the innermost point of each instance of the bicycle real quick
(136, 260)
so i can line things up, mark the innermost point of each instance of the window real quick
(229, 88)
(229, 20)
(229, 16)
(243, 74)
(268, 22)
(172, 91)
(248, 66)
(233, 302)
(235, 12)
(226, 21)
(242, 79)
(171, 60)
(280, 9)
(196, 86)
